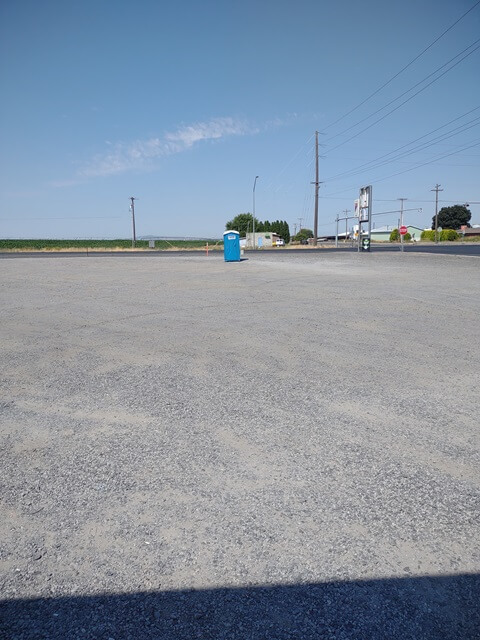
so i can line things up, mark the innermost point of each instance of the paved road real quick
(467, 249)
(286, 447)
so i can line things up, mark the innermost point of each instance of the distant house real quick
(382, 234)
(471, 232)
(262, 239)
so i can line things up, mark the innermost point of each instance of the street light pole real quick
(346, 212)
(253, 222)
(132, 209)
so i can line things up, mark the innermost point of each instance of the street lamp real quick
(253, 222)
(132, 209)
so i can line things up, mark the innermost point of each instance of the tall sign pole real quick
(364, 209)
(132, 209)
(370, 203)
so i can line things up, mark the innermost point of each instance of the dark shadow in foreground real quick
(421, 608)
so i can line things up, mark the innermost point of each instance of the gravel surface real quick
(277, 448)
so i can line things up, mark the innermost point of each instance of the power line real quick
(421, 147)
(385, 155)
(292, 158)
(403, 68)
(408, 90)
(66, 218)
(417, 166)
(411, 97)
(469, 200)
(424, 164)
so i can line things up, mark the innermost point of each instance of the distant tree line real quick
(243, 223)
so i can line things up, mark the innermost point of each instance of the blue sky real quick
(181, 104)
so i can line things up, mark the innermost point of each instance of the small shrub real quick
(428, 234)
(448, 235)
(407, 237)
(395, 236)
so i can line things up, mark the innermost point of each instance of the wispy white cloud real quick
(274, 123)
(140, 154)
(66, 183)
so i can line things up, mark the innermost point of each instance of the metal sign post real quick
(364, 208)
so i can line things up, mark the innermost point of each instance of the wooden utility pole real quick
(132, 208)
(402, 200)
(436, 189)
(315, 219)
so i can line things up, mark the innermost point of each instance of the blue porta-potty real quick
(231, 246)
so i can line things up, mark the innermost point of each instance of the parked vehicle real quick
(280, 242)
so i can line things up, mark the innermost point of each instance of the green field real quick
(64, 245)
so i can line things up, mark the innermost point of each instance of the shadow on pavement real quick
(420, 608)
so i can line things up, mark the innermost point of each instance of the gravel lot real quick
(277, 448)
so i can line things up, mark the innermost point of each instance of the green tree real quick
(275, 227)
(303, 235)
(395, 236)
(453, 217)
(242, 223)
(285, 231)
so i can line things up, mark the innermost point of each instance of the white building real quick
(262, 239)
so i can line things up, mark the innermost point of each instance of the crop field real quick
(79, 244)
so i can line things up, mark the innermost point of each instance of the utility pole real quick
(300, 225)
(346, 212)
(316, 183)
(402, 200)
(437, 189)
(336, 232)
(132, 209)
(253, 222)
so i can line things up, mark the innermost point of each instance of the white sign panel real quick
(364, 204)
